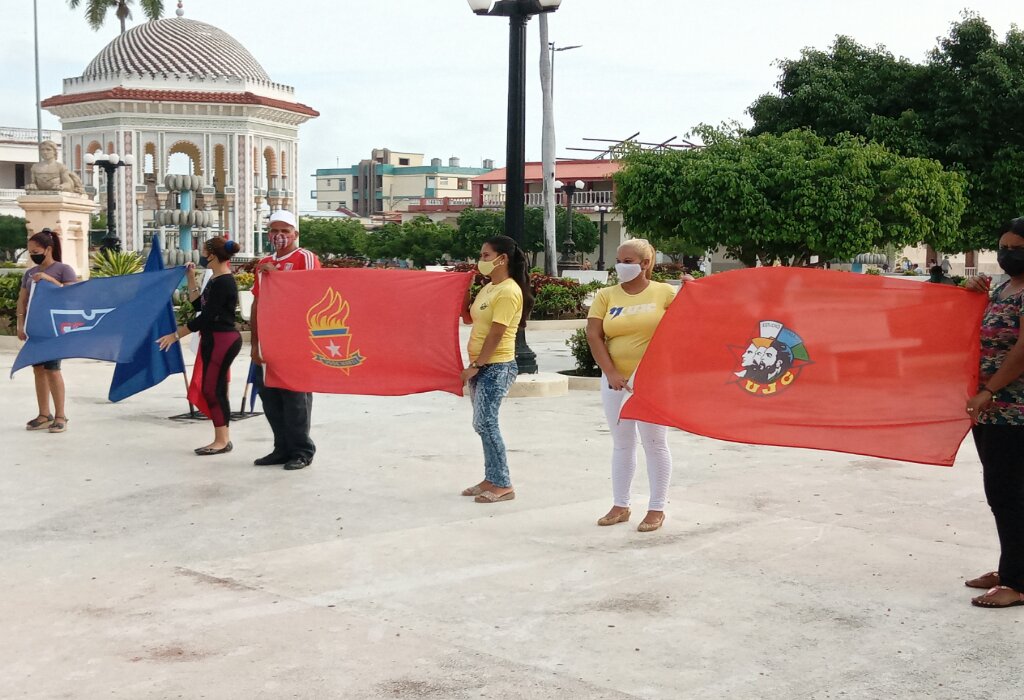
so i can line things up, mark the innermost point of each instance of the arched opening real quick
(78, 158)
(284, 169)
(220, 177)
(183, 158)
(270, 163)
(149, 159)
(110, 147)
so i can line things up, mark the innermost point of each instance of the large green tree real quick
(333, 236)
(425, 242)
(96, 10)
(13, 236)
(958, 107)
(786, 198)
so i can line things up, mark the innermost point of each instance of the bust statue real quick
(50, 175)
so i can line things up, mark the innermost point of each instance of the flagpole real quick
(39, 109)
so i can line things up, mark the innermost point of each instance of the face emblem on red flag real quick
(330, 334)
(770, 362)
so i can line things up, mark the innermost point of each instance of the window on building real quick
(403, 161)
(463, 183)
(19, 176)
(444, 182)
(342, 185)
(380, 181)
(431, 181)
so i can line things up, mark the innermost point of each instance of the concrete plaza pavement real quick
(133, 569)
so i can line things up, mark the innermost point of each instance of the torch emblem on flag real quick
(772, 361)
(330, 334)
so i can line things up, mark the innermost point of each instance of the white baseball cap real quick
(285, 217)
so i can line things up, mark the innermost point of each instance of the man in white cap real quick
(288, 412)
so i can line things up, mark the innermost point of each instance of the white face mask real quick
(627, 272)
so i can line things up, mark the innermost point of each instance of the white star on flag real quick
(334, 349)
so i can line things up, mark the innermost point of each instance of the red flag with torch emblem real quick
(362, 331)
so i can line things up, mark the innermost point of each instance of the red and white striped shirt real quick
(298, 259)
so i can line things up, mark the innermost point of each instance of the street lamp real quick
(569, 260)
(601, 209)
(110, 162)
(518, 13)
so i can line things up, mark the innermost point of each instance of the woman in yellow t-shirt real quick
(620, 325)
(495, 315)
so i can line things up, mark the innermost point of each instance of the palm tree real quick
(96, 10)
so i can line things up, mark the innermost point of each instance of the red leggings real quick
(218, 350)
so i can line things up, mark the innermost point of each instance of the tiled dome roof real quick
(176, 46)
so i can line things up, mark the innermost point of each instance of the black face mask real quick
(38, 258)
(1012, 261)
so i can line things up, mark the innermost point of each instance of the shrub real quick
(343, 262)
(586, 366)
(244, 280)
(557, 300)
(873, 271)
(113, 263)
(10, 287)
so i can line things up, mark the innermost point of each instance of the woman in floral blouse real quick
(998, 413)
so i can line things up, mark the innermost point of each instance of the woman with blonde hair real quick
(620, 325)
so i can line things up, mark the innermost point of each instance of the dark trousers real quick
(1001, 449)
(288, 413)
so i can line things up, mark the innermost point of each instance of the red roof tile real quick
(565, 170)
(120, 93)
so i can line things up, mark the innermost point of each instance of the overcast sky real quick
(428, 76)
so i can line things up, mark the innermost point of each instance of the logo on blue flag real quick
(76, 320)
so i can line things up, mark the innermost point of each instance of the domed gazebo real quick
(176, 85)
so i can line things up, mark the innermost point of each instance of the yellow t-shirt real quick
(630, 321)
(496, 303)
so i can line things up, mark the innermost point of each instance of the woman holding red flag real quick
(620, 325)
(998, 413)
(219, 339)
(495, 315)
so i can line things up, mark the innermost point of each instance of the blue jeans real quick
(486, 390)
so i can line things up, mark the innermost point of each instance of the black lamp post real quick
(110, 162)
(602, 209)
(518, 13)
(569, 259)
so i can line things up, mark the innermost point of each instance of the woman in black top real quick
(219, 340)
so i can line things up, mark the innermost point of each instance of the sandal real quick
(491, 497)
(39, 422)
(987, 600)
(472, 491)
(985, 581)
(645, 526)
(59, 425)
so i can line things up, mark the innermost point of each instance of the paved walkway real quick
(133, 569)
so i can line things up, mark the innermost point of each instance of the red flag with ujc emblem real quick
(362, 331)
(816, 358)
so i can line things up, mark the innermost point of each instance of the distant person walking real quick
(620, 326)
(495, 315)
(288, 412)
(945, 265)
(219, 339)
(998, 413)
(44, 250)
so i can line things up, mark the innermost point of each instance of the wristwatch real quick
(474, 365)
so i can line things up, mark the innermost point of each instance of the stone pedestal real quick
(68, 215)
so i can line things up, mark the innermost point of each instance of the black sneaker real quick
(272, 458)
(297, 463)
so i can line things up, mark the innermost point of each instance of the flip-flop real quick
(985, 581)
(980, 600)
(491, 497)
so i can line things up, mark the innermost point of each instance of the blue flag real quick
(255, 379)
(150, 366)
(103, 319)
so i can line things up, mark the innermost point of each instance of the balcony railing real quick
(589, 198)
(27, 135)
(10, 195)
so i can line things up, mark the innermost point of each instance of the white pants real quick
(624, 434)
